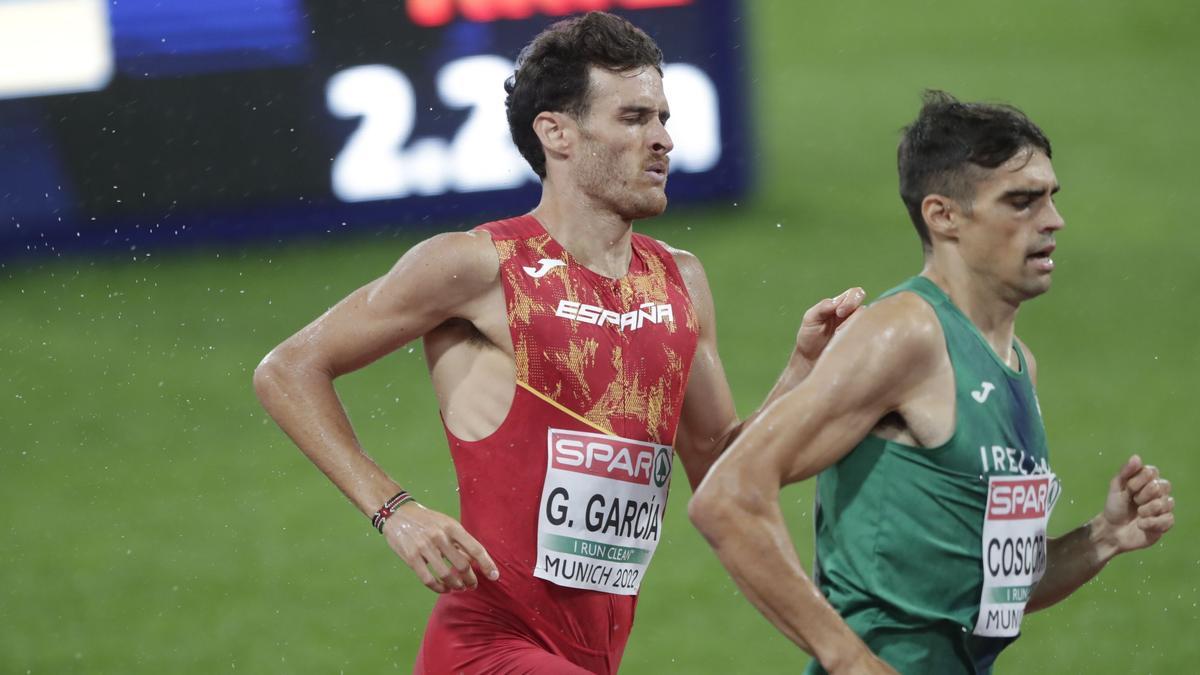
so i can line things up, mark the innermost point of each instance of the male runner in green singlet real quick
(935, 484)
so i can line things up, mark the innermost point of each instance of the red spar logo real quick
(603, 456)
(1018, 499)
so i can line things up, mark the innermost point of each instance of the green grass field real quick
(154, 520)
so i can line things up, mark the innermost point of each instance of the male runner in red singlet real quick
(571, 359)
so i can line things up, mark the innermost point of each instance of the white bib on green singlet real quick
(1014, 549)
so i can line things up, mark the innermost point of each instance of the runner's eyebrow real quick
(644, 110)
(1032, 193)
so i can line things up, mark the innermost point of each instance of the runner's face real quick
(1009, 234)
(622, 163)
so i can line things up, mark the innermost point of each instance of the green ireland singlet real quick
(931, 553)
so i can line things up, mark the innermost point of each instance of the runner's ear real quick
(940, 213)
(556, 131)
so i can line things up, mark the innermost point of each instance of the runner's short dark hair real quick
(553, 70)
(943, 151)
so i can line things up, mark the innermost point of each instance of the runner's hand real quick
(824, 319)
(1139, 509)
(437, 548)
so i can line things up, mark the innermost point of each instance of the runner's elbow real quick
(715, 508)
(274, 374)
(704, 514)
(724, 505)
(266, 377)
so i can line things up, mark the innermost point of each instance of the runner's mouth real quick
(1043, 252)
(1041, 260)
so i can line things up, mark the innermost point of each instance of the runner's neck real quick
(598, 240)
(994, 316)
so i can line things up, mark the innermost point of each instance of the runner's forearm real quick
(797, 368)
(751, 540)
(1072, 560)
(305, 405)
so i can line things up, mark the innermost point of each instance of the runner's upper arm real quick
(869, 370)
(708, 414)
(440, 278)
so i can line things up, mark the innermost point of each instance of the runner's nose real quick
(660, 139)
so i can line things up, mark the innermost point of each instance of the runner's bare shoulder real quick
(689, 268)
(898, 332)
(448, 270)
(681, 256)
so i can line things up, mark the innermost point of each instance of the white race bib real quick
(1014, 549)
(602, 510)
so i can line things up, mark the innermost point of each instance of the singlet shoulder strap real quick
(651, 246)
(924, 288)
(520, 227)
(963, 339)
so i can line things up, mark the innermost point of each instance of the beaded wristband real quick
(389, 507)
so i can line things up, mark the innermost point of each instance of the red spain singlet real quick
(567, 495)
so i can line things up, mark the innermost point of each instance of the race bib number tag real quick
(1014, 549)
(602, 510)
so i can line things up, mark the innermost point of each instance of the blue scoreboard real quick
(139, 122)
